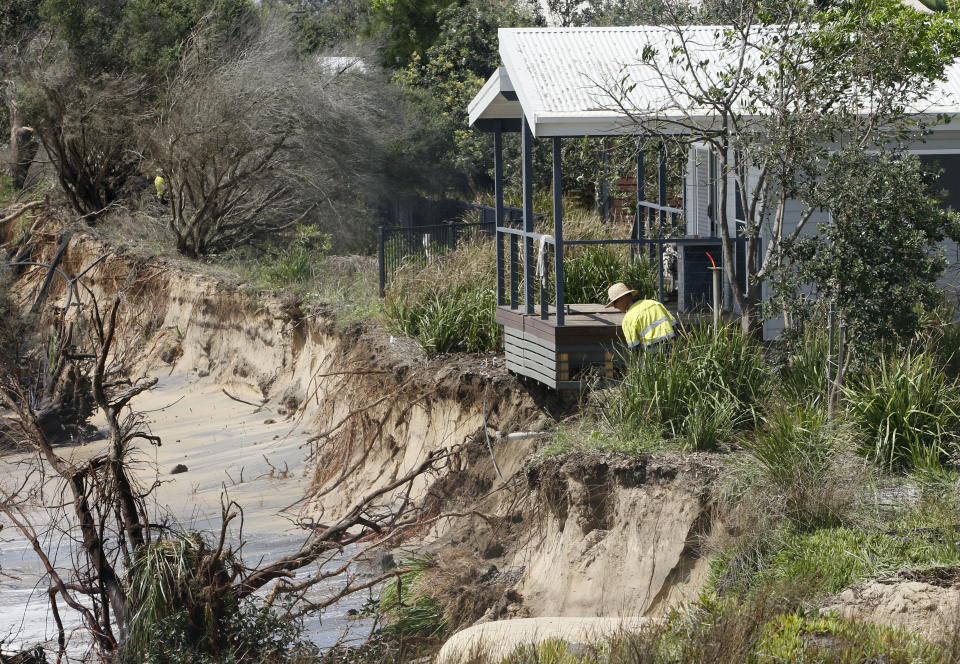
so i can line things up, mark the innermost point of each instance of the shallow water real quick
(227, 446)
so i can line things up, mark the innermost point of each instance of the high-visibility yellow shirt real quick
(160, 184)
(647, 322)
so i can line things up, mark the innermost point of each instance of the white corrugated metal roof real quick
(577, 81)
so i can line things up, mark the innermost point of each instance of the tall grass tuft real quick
(181, 610)
(450, 304)
(802, 378)
(411, 611)
(909, 410)
(799, 467)
(699, 393)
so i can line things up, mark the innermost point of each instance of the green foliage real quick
(18, 19)
(827, 560)
(797, 466)
(589, 270)
(941, 337)
(443, 77)
(295, 261)
(755, 631)
(698, 393)
(802, 377)
(812, 638)
(877, 259)
(323, 24)
(909, 410)
(406, 602)
(180, 612)
(450, 303)
(145, 35)
(405, 27)
(642, 440)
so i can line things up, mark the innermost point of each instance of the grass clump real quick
(449, 303)
(796, 467)
(827, 560)
(641, 440)
(698, 394)
(181, 612)
(408, 606)
(909, 410)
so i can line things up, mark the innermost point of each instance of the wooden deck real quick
(589, 342)
(559, 356)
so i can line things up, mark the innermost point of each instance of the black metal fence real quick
(419, 245)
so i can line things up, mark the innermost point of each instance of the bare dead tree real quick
(100, 508)
(86, 123)
(253, 144)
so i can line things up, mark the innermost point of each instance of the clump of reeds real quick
(698, 393)
(408, 607)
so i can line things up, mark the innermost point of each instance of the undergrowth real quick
(698, 394)
(755, 631)
(406, 604)
(177, 616)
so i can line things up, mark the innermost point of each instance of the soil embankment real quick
(580, 535)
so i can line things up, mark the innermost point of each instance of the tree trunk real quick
(23, 148)
(23, 144)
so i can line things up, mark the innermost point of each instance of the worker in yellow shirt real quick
(160, 184)
(646, 323)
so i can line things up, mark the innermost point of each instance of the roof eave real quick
(482, 106)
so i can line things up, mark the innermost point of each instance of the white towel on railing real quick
(542, 245)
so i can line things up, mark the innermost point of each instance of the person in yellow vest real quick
(646, 323)
(160, 184)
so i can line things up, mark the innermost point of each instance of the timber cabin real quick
(556, 83)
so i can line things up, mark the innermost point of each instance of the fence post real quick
(383, 258)
(451, 236)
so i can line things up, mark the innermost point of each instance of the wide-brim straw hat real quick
(618, 290)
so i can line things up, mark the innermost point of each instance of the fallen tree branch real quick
(24, 208)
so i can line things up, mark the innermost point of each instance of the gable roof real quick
(579, 81)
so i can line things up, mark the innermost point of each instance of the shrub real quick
(909, 409)
(796, 466)
(698, 393)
